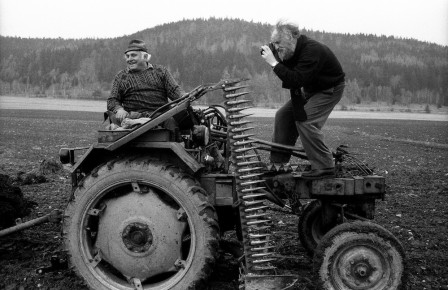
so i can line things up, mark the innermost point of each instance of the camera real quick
(271, 46)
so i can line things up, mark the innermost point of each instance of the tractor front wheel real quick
(359, 255)
(141, 224)
(311, 226)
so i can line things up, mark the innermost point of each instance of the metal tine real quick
(245, 149)
(261, 229)
(246, 156)
(257, 215)
(249, 169)
(229, 89)
(237, 102)
(260, 268)
(242, 143)
(262, 254)
(245, 163)
(257, 222)
(263, 261)
(262, 248)
(236, 95)
(259, 242)
(239, 116)
(252, 189)
(250, 175)
(253, 202)
(239, 123)
(242, 136)
(238, 130)
(232, 82)
(258, 236)
(249, 196)
(256, 208)
(239, 109)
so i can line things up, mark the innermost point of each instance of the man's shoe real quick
(319, 173)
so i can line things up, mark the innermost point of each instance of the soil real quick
(412, 155)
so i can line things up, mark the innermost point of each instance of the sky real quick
(425, 20)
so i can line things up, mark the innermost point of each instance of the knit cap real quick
(136, 45)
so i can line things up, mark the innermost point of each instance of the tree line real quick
(378, 68)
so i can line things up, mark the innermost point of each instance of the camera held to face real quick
(271, 46)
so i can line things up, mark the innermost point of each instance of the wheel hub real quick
(362, 268)
(140, 235)
(137, 237)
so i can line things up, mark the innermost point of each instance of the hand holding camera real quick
(269, 54)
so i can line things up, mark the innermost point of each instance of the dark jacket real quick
(313, 67)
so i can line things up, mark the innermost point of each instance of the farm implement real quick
(148, 205)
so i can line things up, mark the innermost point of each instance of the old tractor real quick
(148, 205)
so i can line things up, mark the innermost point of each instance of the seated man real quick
(141, 88)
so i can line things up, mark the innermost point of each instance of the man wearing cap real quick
(142, 87)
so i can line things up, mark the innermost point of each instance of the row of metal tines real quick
(255, 222)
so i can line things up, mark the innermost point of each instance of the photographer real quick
(315, 79)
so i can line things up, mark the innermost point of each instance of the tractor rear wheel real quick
(141, 224)
(360, 255)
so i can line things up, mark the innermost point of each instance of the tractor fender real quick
(173, 152)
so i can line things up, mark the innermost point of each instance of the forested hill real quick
(378, 68)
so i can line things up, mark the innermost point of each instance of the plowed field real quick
(412, 155)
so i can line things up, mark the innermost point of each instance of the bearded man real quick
(315, 78)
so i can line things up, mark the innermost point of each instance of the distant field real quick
(100, 106)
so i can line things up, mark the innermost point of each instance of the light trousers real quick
(287, 130)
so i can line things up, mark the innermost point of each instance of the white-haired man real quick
(315, 78)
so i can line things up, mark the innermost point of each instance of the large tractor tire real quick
(360, 255)
(141, 224)
(311, 228)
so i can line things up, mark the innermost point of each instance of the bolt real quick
(361, 270)
(138, 237)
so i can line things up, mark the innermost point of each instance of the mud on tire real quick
(360, 255)
(136, 214)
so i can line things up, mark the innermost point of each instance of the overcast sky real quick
(425, 20)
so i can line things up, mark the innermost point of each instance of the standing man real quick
(315, 79)
(141, 88)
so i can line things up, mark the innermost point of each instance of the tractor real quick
(148, 205)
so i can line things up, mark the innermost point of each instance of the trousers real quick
(287, 130)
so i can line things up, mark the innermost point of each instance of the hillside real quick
(378, 68)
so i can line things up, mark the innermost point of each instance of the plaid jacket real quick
(143, 91)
